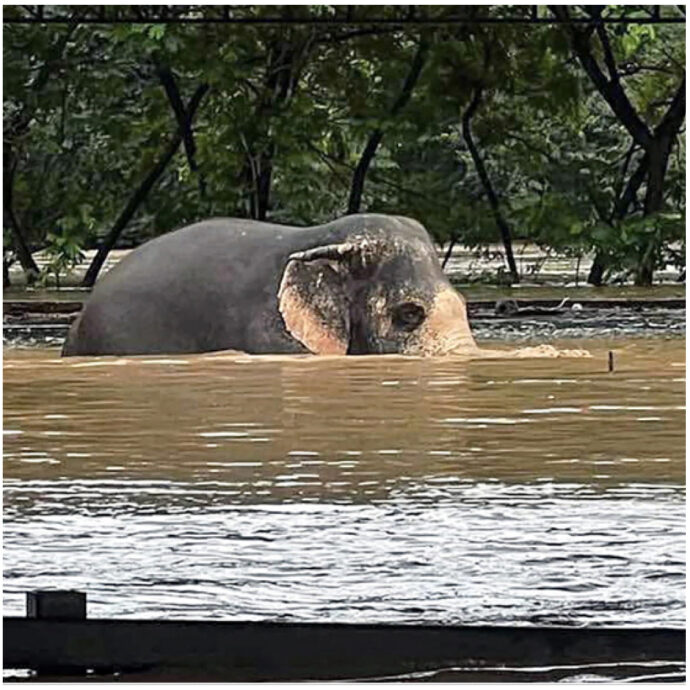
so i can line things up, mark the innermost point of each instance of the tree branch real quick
(167, 79)
(608, 53)
(612, 90)
(618, 185)
(22, 248)
(486, 182)
(631, 188)
(16, 128)
(673, 119)
(357, 187)
(21, 123)
(142, 191)
(449, 251)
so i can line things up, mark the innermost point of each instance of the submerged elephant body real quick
(363, 284)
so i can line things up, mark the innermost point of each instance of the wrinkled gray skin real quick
(363, 284)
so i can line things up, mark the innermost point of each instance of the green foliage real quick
(86, 119)
(66, 241)
(636, 240)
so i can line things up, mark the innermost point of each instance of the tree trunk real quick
(257, 172)
(486, 183)
(449, 251)
(15, 130)
(263, 183)
(653, 203)
(657, 155)
(620, 211)
(140, 193)
(167, 79)
(357, 188)
(644, 272)
(657, 144)
(629, 195)
(610, 87)
(654, 197)
(27, 262)
(285, 62)
(21, 245)
(258, 175)
(596, 272)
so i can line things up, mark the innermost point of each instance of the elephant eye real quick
(408, 316)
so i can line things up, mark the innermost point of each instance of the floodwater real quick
(368, 489)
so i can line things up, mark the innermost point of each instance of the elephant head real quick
(380, 290)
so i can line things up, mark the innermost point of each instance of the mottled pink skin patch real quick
(304, 324)
(446, 329)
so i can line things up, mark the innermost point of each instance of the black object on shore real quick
(610, 361)
(57, 639)
(510, 307)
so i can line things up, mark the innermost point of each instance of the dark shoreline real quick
(28, 308)
(41, 323)
(253, 651)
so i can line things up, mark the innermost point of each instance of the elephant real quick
(361, 284)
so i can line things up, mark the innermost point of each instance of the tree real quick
(300, 123)
(655, 135)
(486, 182)
(355, 200)
(19, 115)
(140, 193)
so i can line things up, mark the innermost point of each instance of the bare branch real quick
(608, 53)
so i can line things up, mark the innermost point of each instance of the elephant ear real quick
(313, 301)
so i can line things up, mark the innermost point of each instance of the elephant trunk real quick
(447, 331)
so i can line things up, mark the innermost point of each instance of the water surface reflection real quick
(370, 489)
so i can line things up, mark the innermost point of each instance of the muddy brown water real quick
(368, 489)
